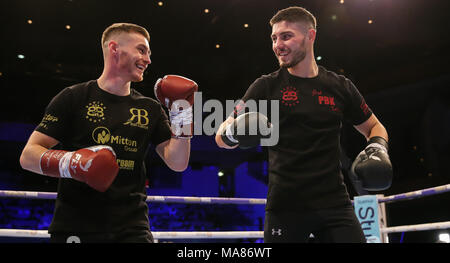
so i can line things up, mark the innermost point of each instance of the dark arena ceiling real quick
(385, 47)
(379, 44)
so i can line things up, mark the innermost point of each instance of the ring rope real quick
(150, 199)
(420, 227)
(415, 194)
(219, 200)
(223, 200)
(157, 235)
(221, 234)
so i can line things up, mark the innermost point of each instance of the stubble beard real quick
(297, 57)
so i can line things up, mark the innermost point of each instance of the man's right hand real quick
(177, 94)
(96, 166)
(246, 130)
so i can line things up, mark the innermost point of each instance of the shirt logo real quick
(325, 100)
(47, 119)
(289, 96)
(139, 118)
(95, 111)
(125, 164)
(276, 232)
(101, 135)
(364, 107)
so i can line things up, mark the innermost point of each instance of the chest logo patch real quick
(139, 118)
(95, 111)
(102, 135)
(325, 100)
(289, 96)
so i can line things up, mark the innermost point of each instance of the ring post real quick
(382, 219)
(366, 210)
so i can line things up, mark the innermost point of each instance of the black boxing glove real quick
(247, 130)
(372, 167)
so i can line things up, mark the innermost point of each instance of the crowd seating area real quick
(37, 214)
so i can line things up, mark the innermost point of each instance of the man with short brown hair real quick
(104, 128)
(306, 191)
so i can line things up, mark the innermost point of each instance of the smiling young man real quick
(103, 128)
(306, 190)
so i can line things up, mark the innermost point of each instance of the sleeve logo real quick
(47, 119)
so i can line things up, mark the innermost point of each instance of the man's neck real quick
(114, 84)
(307, 68)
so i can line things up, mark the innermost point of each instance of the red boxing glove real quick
(96, 166)
(177, 94)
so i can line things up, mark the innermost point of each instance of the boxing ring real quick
(381, 221)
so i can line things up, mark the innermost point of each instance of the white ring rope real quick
(420, 227)
(219, 200)
(157, 235)
(150, 199)
(224, 200)
(416, 194)
(221, 234)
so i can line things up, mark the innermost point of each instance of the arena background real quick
(395, 51)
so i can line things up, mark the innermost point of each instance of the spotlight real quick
(444, 238)
(20, 56)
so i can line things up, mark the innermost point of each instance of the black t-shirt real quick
(304, 167)
(84, 115)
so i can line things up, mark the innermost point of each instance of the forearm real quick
(176, 153)
(30, 158)
(37, 144)
(378, 130)
(372, 127)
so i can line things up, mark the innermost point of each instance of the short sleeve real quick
(254, 93)
(357, 111)
(56, 120)
(162, 131)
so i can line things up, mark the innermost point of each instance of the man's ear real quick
(112, 47)
(311, 34)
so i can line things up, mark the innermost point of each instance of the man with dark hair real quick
(104, 127)
(306, 190)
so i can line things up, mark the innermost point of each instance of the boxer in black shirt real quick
(104, 128)
(306, 190)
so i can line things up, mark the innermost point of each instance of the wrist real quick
(181, 123)
(181, 117)
(227, 136)
(55, 163)
(379, 142)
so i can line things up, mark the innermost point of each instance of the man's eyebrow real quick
(144, 47)
(281, 33)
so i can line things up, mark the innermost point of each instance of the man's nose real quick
(147, 59)
(277, 44)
